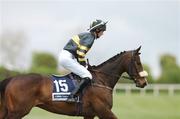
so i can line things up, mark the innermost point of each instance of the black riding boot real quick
(84, 82)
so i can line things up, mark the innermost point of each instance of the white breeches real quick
(69, 62)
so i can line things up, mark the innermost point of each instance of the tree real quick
(168, 61)
(44, 63)
(5, 73)
(150, 78)
(12, 45)
(170, 69)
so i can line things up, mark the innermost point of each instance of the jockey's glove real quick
(83, 63)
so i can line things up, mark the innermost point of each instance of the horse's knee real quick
(105, 113)
(108, 116)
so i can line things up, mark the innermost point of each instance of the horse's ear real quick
(137, 50)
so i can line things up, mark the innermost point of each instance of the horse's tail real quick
(3, 108)
(3, 85)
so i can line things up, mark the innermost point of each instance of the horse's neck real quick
(110, 72)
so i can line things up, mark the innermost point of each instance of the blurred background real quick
(33, 32)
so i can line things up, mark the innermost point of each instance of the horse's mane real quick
(109, 60)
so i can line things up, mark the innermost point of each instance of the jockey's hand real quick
(83, 63)
(86, 66)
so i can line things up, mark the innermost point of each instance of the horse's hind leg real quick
(89, 117)
(17, 114)
(13, 115)
(18, 110)
(17, 107)
(3, 112)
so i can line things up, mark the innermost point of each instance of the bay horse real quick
(21, 93)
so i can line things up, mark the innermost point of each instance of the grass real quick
(133, 106)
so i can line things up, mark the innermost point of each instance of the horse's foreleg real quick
(103, 112)
(108, 114)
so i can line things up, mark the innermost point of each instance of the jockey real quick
(72, 57)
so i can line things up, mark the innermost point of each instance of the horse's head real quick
(127, 61)
(135, 68)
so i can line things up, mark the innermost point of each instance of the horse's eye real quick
(138, 63)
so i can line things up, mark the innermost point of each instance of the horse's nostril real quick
(145, 84)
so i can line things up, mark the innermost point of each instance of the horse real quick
(21, 93)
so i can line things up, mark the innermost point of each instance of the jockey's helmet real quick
(98, 24)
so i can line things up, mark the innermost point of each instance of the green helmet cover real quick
(98, 24)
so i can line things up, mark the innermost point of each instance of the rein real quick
(113, 75)
(102, 86)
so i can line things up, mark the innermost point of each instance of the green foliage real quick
(125, 80)
(170, 70)
(44, 63)
(43, 70)
(4, 73)
(170, 76)
(150, 78)
(44, 60)
(168, 61)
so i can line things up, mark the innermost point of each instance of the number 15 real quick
(63, 85)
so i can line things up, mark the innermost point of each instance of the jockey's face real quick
(100, 34)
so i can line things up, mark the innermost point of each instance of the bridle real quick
(138, 74)
(131, 67)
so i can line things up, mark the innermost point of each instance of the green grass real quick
(130, 107)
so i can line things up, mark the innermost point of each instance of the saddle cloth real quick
(63, 86)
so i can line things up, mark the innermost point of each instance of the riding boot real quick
(83, 83)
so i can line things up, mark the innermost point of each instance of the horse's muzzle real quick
(141, 84)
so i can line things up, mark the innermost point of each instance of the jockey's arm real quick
(81, 56)
(83, 49)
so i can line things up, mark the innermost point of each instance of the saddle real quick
(63, 86)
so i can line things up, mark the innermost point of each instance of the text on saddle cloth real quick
(62, 87)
